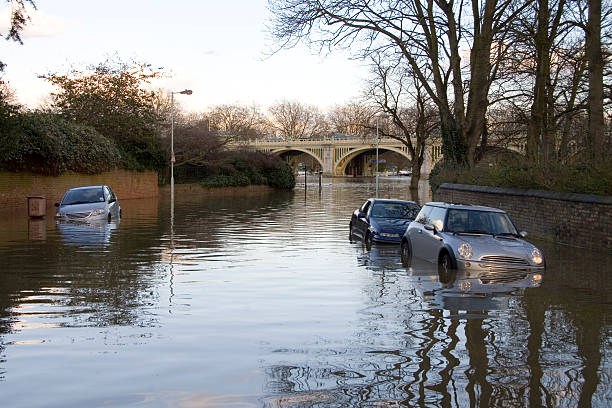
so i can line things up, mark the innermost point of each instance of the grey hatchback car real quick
(472, 238)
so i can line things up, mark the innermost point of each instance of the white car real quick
(89, 203)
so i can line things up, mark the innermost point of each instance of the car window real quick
(479, 221)
(83, 196)
(392, 209)
(436, 217)
(423, 216)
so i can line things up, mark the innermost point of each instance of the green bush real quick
(281, 177)
(240, 168)
(225, 180)
(46, 144)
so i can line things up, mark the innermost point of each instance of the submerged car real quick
(480, 240)
(89, 203)
(382, 220)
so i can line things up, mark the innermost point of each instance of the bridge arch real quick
(279, 152)
(343, 161)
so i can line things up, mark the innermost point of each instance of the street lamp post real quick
(172, 159)
(377, 141)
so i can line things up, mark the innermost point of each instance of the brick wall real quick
(579, 220)
(15, 187)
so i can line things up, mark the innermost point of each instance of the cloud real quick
(211, 53)
(40, 23)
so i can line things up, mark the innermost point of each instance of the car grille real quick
(77, 215)
(507, 260)
(502, 277)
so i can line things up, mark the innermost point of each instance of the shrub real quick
(240, 168)
(46, 144)
(281, 177)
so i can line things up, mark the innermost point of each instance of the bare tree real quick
(293, 120)
(195, 144)
(237, 122)
(351, 119)
(19, 19)
(396, 91)
(429, 35)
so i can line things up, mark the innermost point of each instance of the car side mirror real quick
(430, 227)
(361, 215)
(112, 200)
(57, 204)
(523, 234)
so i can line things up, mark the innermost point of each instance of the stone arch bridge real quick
(335, 154)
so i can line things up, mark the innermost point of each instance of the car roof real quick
(84, 187)
(391, 200)
(464, 207)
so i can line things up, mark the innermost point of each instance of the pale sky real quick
(218, 49)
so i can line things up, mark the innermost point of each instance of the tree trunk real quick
(537, 133)
(595, 136)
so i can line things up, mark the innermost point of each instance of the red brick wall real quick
(579, 220)
(15, 187)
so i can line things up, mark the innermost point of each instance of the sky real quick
(219, 49)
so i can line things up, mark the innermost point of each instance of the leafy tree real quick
(113, 98)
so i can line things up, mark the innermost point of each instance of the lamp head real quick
(186, 92)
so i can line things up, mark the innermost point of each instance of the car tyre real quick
(445, 268)
(351, 232)
(109, 218)
(406, 253)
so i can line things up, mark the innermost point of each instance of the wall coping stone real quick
(582, 198)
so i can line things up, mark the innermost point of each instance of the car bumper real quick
(478, 266)
(382, 239)
(81, 216)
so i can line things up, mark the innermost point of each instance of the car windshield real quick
(485, 222)
(83, 196)
(394, 210)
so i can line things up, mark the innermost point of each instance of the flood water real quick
(263, 301)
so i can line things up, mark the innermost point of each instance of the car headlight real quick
(465, 250)
(97, 212)
(536, 256)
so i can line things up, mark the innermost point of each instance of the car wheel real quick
(406, 254)
(368, 241)
(445, 268)
(351, 232)
(109, 217)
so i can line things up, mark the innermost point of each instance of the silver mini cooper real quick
(480, 240)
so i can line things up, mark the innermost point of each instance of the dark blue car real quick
(382, 220)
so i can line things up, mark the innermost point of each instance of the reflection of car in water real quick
(385, 257)
(94, 234)
(471, 290)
